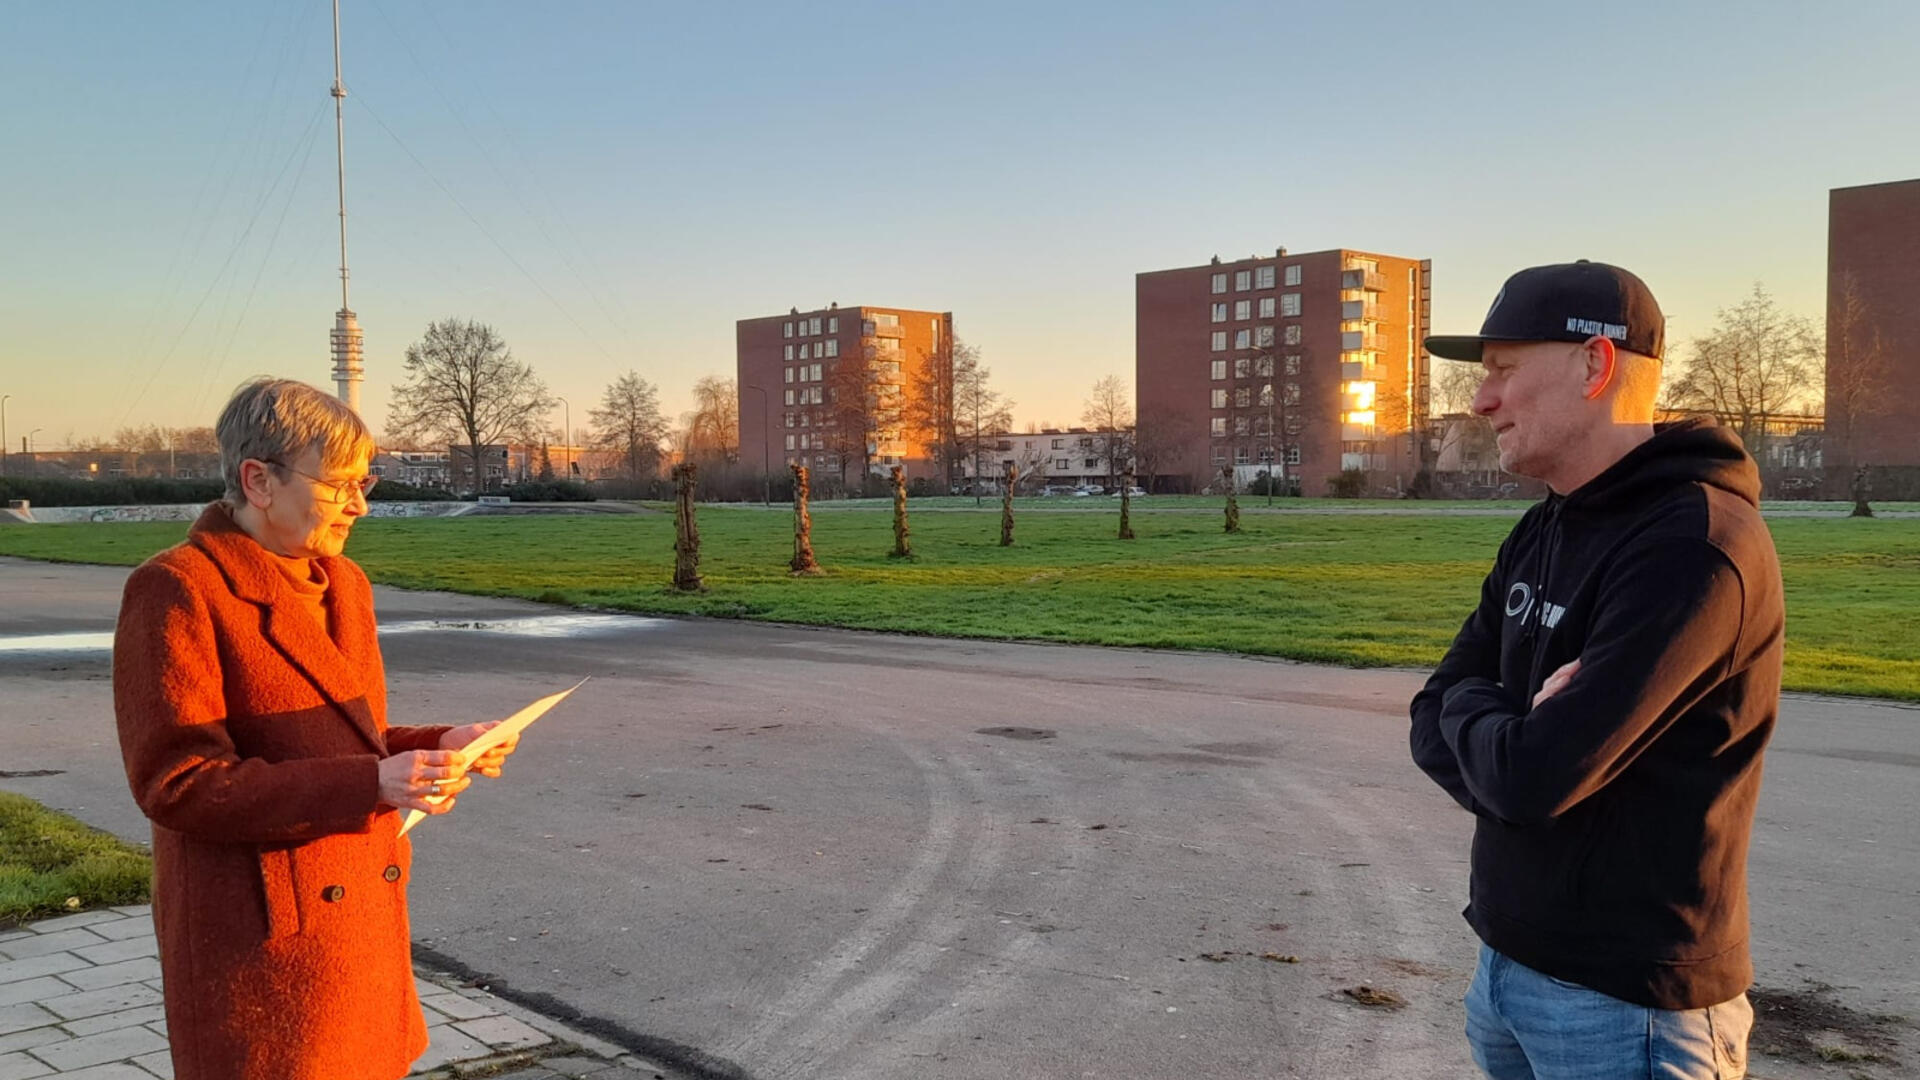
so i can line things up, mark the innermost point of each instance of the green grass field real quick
(1365, 589)
(51, 864)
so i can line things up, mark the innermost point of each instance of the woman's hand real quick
(490, 762)
(409, 780)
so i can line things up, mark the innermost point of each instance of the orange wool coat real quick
(252, 740)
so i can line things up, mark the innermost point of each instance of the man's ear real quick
(253, 483)
(1603, 365)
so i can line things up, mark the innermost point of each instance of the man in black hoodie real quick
(1603, 711)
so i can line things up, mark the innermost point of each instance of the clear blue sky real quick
(611, 185)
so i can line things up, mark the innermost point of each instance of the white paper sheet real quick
(494, 736)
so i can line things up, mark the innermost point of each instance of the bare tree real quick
(1110, 415)
(1157, 449)
(1857, 380)
(1756, 363)
(712, 430)
(931, 408)
(863, 408)
(464, 387)
(629, 425)
(981, 415)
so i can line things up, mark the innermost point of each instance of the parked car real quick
(1136, 492)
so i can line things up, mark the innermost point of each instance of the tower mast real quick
(348, 342)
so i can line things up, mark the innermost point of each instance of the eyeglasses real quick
(341, 490)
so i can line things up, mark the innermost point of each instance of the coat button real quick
(333, 894)
(391, 873)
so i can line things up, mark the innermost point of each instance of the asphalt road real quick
(780, 852)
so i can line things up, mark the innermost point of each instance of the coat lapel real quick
(295, 633)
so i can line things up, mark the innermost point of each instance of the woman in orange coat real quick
(252, 711)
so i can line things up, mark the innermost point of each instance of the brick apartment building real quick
(787, 367)
(1873, 235)
(1312, 361)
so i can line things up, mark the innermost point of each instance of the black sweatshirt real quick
(1610, 848)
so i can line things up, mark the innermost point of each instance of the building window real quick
(1220, 312)
(789, 400)
(1293, 455)
(1239, 455)
(818, 391)
(1241, 367)
(1266, 307)
(1293, 393)
(1242, 338)
(786, 330)
(1059, 444)
(1093, 463)
(1266, 396)
(789, 442)
(1242, 310)
(789, 355)
(1242, 280)
(1293, 363)
(1219, 455)
(1263, 367)
(1290, 304)
(1219, 399)
(1219, 283)
(1295, 424)
(1263, 277)
(833, 324)
(1292, 335)
(1219, 341)
(1219, 426)
(1061, 464)
(789, 374)
(1263, 336)
(1242, 397)
(1293, 275)
(1241, 426)
(831, 347)
(806, 351)
(813, 326)
(816, 378)
(1219, 369)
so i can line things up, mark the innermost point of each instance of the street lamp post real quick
(26, 441)
(766, 446)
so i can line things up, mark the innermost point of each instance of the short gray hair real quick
(278, 420)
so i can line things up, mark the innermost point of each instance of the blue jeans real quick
(1524, 1025)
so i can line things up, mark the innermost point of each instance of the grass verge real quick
(1359, 589)
(51, 864)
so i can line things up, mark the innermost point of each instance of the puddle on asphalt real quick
(538, 626)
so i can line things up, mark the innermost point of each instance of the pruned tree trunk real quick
(901, 548)
(1233, 502)
(1006, 508)
(1862, 487)
(686, 534)
(803, 562)
(1126, 506)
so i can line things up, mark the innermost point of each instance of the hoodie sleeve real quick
(1475, 653)
(1664, 634)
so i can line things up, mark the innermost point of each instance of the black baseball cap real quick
(1566, 302)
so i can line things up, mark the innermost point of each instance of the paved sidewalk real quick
(80, 1000)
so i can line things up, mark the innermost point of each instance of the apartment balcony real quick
(1359, 309)
(1356, 397)
(1370, 280)
(1361, 341)
(1368, 368)
(1358, 431)
(882, 330)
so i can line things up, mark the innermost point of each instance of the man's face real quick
(1532, 395)
(309, 519)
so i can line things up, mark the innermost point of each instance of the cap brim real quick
(1456, 347)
